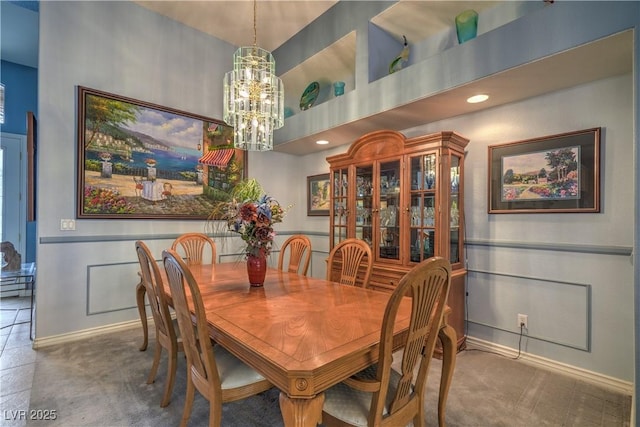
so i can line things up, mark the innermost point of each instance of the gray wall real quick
(569, 274)
(86, 277)
(572, 273)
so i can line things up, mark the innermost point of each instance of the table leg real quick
(140, 293)
(301, 412)
(448, 338)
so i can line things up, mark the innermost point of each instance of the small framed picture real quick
(551, 174)
(318, 195)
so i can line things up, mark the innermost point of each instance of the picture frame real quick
(318, 187)
(138, 160)
(551, 174)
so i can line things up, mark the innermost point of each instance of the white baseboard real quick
(92, 332)
(595, 378)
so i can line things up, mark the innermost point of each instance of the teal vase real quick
(467, 25)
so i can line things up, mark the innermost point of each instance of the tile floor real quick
(17, 361)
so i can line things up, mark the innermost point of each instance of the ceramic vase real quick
(256, 269)
(467, 25)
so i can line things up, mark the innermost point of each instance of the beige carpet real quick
(102, 382)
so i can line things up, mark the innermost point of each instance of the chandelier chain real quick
(255, 30)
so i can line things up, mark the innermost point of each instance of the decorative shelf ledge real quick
(503, 62)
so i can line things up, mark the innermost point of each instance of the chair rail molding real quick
(558, 247)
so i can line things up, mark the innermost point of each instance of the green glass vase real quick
(467, 25)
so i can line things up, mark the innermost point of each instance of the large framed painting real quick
(318, 195)
(557, 173)
(138, 160)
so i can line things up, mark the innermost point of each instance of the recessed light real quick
(477, 98)
(322, 142)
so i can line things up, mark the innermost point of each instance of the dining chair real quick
(193, 245)
(299, 254)
(379, 395)
(166, 329)
(350, 263)
(217, 374)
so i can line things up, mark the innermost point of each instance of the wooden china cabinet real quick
(404, 197)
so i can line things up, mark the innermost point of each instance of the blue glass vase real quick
(338, 88)
(467, 25)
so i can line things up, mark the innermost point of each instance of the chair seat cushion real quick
(352, 406)
(233, 371)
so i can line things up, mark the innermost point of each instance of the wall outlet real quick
(67, 224)
(523, 321)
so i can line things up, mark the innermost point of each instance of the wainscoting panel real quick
(558, 312)
(111, 287)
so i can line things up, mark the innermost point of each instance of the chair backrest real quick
(427, 284)
(350, 263)
(153, 284)
(195, 336)
(299, 254)
(193, 245)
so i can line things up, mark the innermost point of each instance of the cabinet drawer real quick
(385, 278)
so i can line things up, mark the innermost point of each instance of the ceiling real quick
(276, 20)
(279, 20)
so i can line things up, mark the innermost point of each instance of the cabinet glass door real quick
(389, 210)
(422, 209)
(364, 203)
(339, 181)
(455, 250)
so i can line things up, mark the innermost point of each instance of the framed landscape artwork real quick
(138, 160)
(557, 173)
(318, 195)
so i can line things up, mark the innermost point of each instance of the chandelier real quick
(253, 97)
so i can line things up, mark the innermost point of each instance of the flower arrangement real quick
(252, 214)
(254, 220)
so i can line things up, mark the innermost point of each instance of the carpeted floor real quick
(102, 382)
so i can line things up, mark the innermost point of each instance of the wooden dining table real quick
(301, 333)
